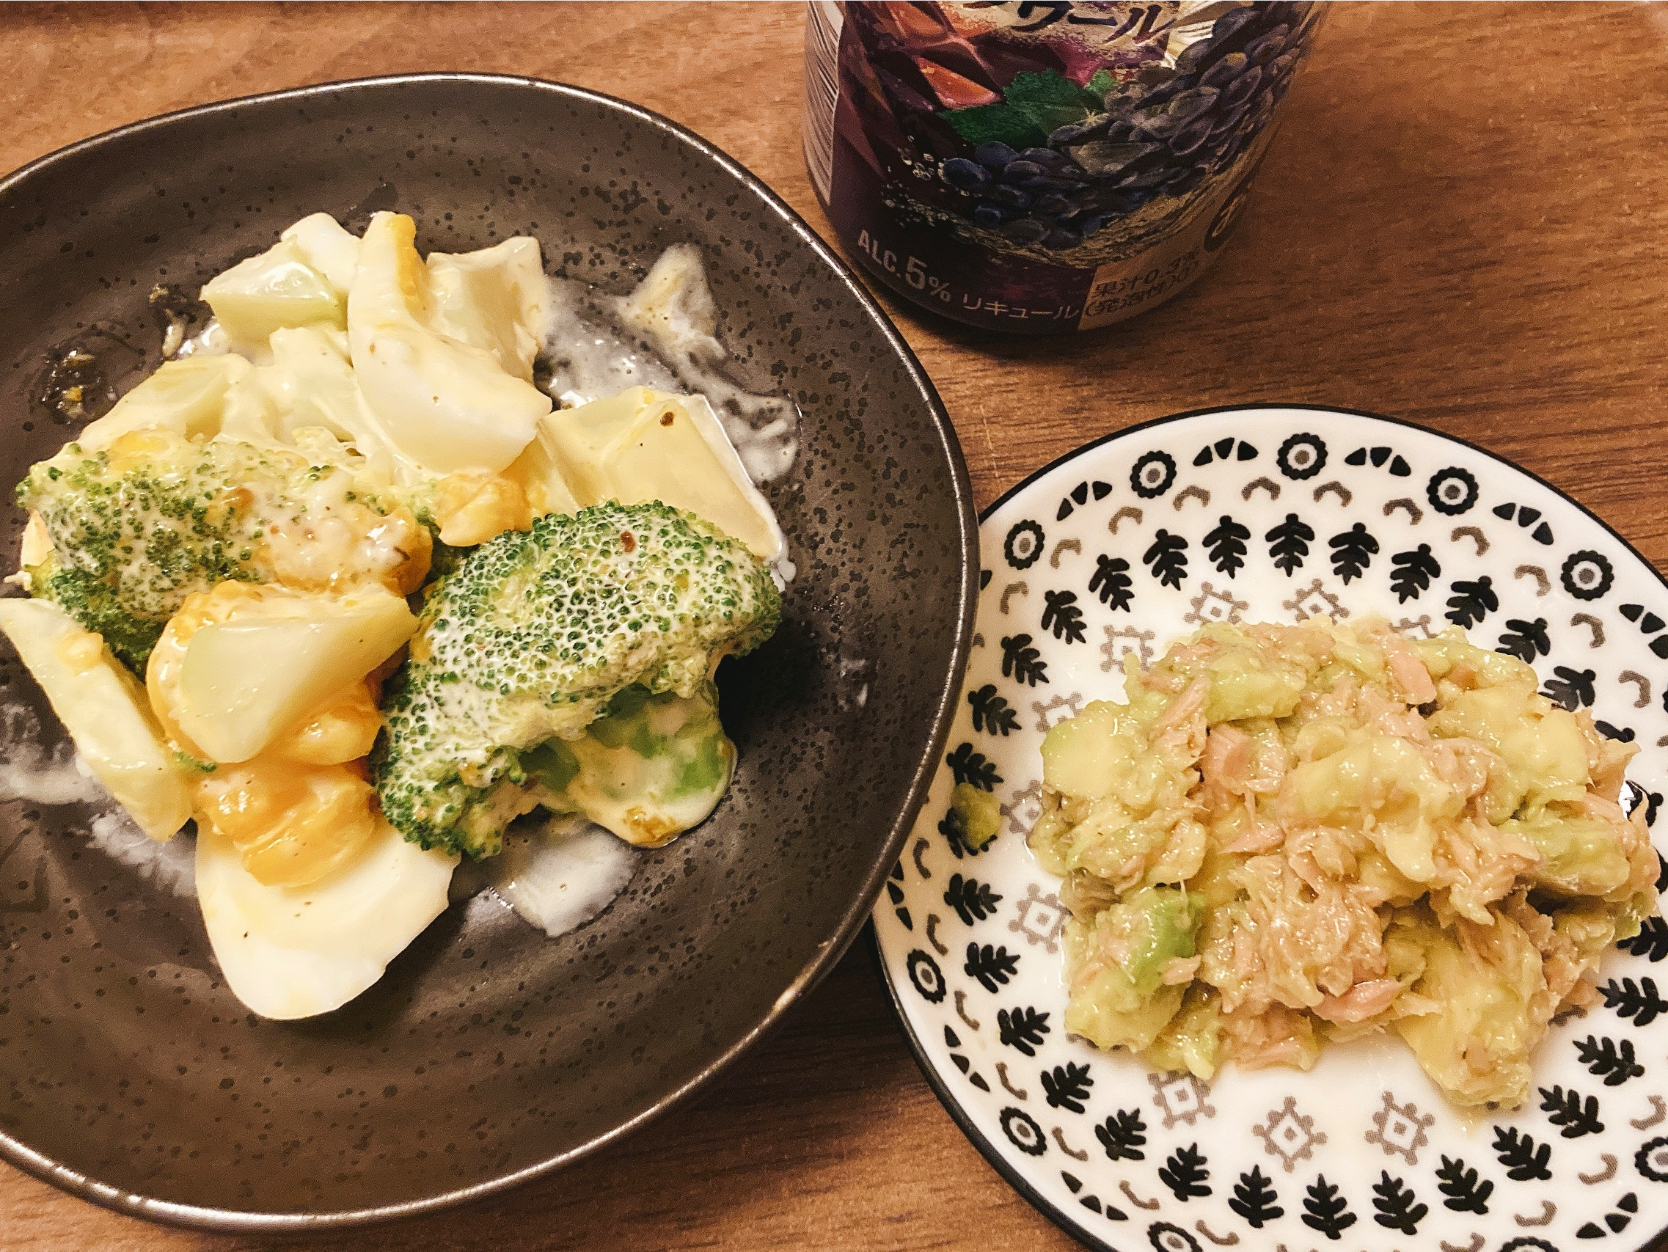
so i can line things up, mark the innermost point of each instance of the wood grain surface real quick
(1462, 223)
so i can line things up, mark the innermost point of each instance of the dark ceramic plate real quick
(488, 1053)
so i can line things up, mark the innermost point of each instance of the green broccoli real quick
(648, 769)
(531, 639)
(139, 526)
(97, 605)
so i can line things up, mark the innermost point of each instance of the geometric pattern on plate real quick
(1132, 542)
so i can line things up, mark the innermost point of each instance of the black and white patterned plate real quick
(1278, 514)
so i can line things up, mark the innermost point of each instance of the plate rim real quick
(987, 1149)
(210, 1218)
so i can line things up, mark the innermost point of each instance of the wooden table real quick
(1462, 223)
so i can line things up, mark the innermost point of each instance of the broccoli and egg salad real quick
(1293, 834)
(343, 585)
(552, 651)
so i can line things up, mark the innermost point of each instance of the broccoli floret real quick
(132, 536)
(139, 526)
(531, 638)
(97, 605)
(648, 769)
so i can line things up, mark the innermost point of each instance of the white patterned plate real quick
(1278, 514)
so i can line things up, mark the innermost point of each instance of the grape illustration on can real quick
(1047, 166)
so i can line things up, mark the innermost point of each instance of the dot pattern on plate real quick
(1278, 515)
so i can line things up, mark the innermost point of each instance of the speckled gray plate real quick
(488, 1054)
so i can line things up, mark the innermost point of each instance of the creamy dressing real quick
(558, 873)
(589, 356)
(29, 770)
(852, 682)
(599, 346)
(333, 540)
(212, 340)
(171, 866)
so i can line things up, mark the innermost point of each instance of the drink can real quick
(1041, 167)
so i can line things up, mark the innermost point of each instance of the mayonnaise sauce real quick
(32, 771)
(172, 866)
(599, 345)
(558, 873)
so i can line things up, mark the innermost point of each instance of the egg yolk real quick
(302, 807)
(474, 505)
(290, 826)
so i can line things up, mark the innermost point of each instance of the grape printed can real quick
(1041, 167)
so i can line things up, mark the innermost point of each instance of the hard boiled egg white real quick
(105, 712)
(290, 952)
(445, 403)
(648, 445)
(243, 681)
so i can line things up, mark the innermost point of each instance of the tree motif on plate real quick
(1023, 662)
(1225, 545)
(1067, 1086)
(1186, 1173)
(1288, 543)
(1465, 1190)
(1524, 1159)
(1122, 1135)
(1352, 552)
(972, 900)
(971, 767)
(1167, 559)
(1607, 1059)
(1062, 616)
(1255, 1199)
(991, 711)
(1325, 1209)
(1398, 1207)
(1022, 1029)
(1111, 582)
(1412, 571)
(1574, 1115)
